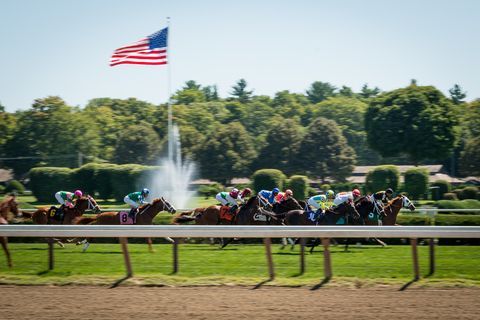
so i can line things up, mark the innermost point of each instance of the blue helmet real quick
(275, 190)
(145, 191)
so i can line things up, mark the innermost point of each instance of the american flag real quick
(151, 50)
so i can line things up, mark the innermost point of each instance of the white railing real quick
(192, 231)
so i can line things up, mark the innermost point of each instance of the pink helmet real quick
(78, 193)
(234, 193)
(289, 192)
(356, 193)
(246, 192)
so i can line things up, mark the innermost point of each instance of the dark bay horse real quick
(8, 205)
(145, 216)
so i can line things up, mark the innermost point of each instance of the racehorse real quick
(46, 215)
(393, 207)
(145, 216)
(8, 205)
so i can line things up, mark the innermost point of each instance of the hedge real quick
(460, 204)
(14, 186)
(46, 181)
(468, 193)
(268, 179)
(104, 180)
(382, 177)
(443, 187)
(299, 186)
(416, 182)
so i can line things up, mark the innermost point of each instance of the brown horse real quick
(42, 215)
(202, 216)
(145, 216)
(393, 207)
(8, 205)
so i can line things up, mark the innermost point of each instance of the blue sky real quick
(63, 47)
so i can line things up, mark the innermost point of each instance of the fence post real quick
(327, 263)
(302, 255)
(432, 256)
(50, 254)
(416, 268)
(175, 255)
(126, 256)
(268, 253)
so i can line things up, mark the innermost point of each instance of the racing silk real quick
(268, 195)
(65, 198)
(318, 202)
(342, 197)
(136, 197)
(381, 196)
(226, 199)
(280, 196)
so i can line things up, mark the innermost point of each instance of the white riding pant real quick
(313, 203)
(130, 202)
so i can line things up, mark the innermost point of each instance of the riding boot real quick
(132, 213)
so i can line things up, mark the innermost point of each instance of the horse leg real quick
(169, 239)
(292, 242)
(284, 243)
(150, 248)
(59, 242)
(380, 242)
(85, 243)
(225, 243)
(346, 245)
(4, 242)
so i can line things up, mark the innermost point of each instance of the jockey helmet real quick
(145, 192)
(330, 194)
(234, 193)
(246, 192)
(356, 193)
(288, 193)
(389, 190)
(275, 190)
(78, 193)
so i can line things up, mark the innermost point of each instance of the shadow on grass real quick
(321, 284)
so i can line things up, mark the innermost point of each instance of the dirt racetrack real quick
(82, 302)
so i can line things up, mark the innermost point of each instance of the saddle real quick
(225, 213)
(125, 217)
(57, 214)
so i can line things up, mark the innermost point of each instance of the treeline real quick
(322, 133)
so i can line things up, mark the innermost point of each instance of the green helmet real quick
(330, 194)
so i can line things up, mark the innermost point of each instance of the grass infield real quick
(202, 264)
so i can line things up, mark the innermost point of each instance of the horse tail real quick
(84, 220)
(182, 219)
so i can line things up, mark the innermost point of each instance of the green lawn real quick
(237, 264)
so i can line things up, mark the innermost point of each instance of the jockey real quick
(135, 199)
(282, 196)
(66, 198)
(231, 198)
(244, 194)
(381, 198)
(346, 196)
(268, 197)
(318, 202)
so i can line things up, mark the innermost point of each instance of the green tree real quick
(346, 92)
(382, 177)
(418, 121)
(8, 123)
(416, 182)
(367, 92)
(349, 114)
(227, 153)
(281, 147)
(470, 158)
(320, 91)
(210, 93)
(324, 152)
(457, 94)
(137, 144)
(240, 91)
(190, 93)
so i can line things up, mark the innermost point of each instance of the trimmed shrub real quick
(124, 180)
(443, 188)
(103, 183)
(299, 186)
(84, 178)
(460, 204)
(268, 179)
(325, 187)
(2, 188)
(211, 190)
(46, 181)
(450, 196)
(468, 193)
(14, 186)
(382, 177)
(416, 182)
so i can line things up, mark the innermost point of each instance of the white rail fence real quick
(265, 232)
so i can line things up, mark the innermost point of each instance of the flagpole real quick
(169, 86)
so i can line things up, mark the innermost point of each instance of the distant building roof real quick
(5, 175)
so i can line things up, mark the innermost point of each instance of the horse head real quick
(406, 203)
(348, 209)
(287, 205)
(93, 205)
(167, 206)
